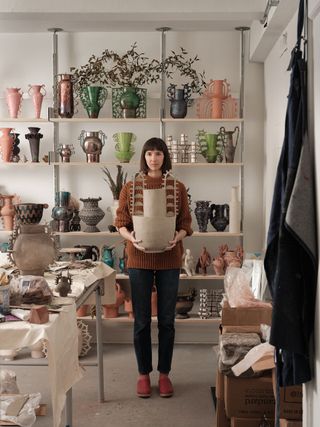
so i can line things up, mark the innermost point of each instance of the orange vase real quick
(6, 144)
(7, 211)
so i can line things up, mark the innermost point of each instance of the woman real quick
(146, 268)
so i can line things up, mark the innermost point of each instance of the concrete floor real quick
(193, 372)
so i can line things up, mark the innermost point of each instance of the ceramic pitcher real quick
(230, 140)
(13, 98)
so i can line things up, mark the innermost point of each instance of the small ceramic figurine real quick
(188, 263)
(218, 266)
(63, 284)
(204, 261)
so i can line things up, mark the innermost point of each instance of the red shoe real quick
(144, 387)
(165, 386)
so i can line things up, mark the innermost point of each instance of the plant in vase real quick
(90, 82)
(115, 186)
(130, 71)
(180, 98)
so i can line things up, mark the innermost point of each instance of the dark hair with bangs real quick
(155, 144)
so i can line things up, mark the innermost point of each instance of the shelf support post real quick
(241, 111)
(163, 31)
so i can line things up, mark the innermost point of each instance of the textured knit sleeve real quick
(184, 218)
(123, 216)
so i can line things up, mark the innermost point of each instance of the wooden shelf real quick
(121, 276)
(84, 234)
(212, 165)
(94, 164)
(26, 164)
(23, 120)
(195, 119)
(123, 318)
(105, 120)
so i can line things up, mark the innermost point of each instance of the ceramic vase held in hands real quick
(37, 92)
(219, 216)
(91, 214)
(229, 142)
(92, 143)
(13, 98)
(6, 144)
(202, 212)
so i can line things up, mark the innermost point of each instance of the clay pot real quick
(33, 249)
(110, 311)
(29, 213)
(13, 98)
(83, 310)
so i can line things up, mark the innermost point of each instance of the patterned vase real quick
(129, 102)
(202, 212)
(93, 99)
(91, 214)
(29, 213)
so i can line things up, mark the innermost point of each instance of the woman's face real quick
(154, 159)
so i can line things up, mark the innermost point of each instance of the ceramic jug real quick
(65, 96)
(179, 100)
(219, 216)
(107, 255)
(202, 212)
(92, 143)
(229, 142)
(93, 99)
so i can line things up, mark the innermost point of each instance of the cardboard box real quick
(290, 400)
(249, 397)
(245, 316)
(241, 329)
(290, 423)
(222, 419)
(249, 422)
(219, 385)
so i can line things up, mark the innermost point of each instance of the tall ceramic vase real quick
(6, 144)
(7, 211)
(91, 214)
(93, 99)
(129, 102)
(13, 98)
(202, 212)
(37, 97)
(235, 211)
(65, 96)
(34, 140)
(229, 142)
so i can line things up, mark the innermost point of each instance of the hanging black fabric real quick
(291, 256)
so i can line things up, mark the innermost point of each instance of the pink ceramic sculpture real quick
(6, 144)
(37, 96)
(13, 98)
(218, 266)
(203, 262)
(7, 211)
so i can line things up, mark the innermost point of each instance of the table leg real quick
(69, 408)
(99, 344)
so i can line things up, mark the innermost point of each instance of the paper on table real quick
(21, 314)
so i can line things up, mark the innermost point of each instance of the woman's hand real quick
(136, 242)
(179, 235)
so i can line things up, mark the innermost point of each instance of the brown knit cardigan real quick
(154, 261)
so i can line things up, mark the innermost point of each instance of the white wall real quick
(28, 60)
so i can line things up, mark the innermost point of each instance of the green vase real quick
(129, 102)
(93, 99)
(212, 152)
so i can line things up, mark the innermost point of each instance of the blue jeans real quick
(167, 282)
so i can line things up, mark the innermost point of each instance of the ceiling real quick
(128, 15)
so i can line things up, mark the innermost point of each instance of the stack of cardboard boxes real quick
(246, 402)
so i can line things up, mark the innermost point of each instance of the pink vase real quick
(216, 110)
(37, 96)
(6, 144)
(219, 88)
(13, 98)
(7, 211)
